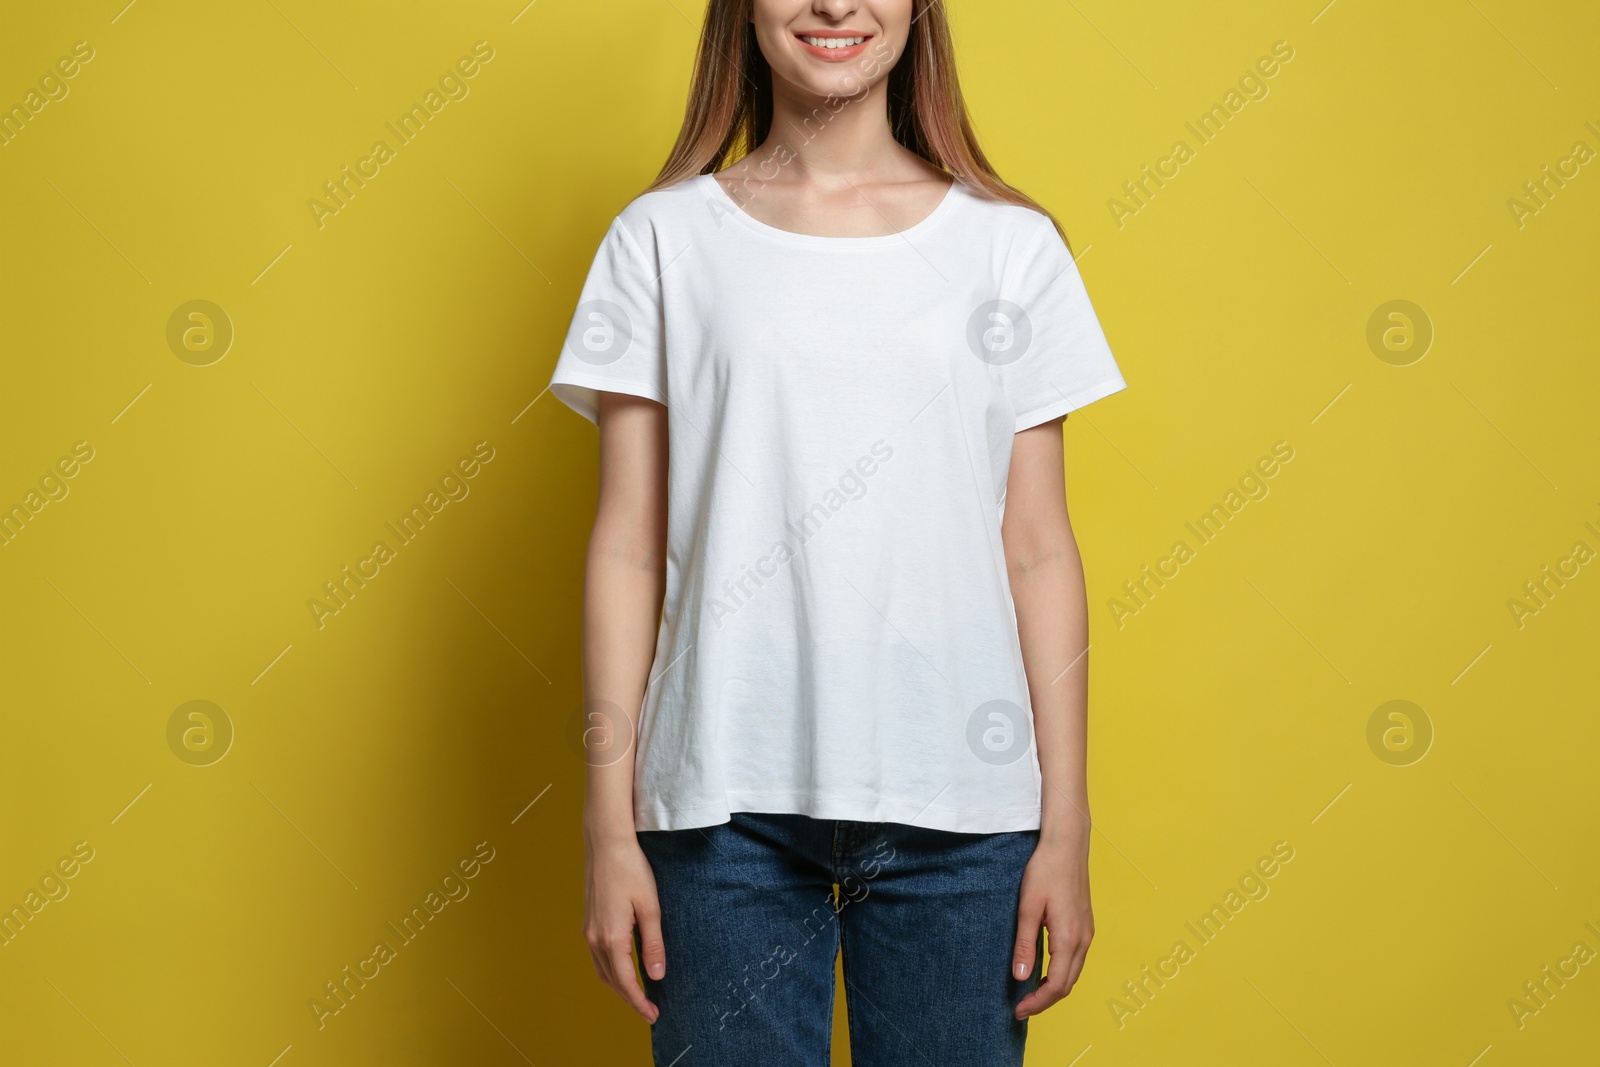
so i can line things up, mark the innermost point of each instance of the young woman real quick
(835, 629)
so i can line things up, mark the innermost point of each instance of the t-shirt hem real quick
(580, 397)
(855, 809)
(1070, 402)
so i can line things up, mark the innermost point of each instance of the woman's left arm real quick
(1047, 587)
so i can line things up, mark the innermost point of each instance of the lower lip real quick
(836, 55)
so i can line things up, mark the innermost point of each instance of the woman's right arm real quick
(625, 581)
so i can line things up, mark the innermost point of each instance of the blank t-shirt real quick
(838, 637)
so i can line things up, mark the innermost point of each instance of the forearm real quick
(1047, 586)
(623, 588)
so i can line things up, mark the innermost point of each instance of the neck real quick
(831, 139)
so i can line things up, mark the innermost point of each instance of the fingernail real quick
(657, 970)
(1022, 970)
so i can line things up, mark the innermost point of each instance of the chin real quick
(828, 83)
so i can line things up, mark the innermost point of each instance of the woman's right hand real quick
(619, 891)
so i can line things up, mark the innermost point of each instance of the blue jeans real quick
(926, 920)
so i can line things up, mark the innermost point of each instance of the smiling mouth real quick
(831, 42)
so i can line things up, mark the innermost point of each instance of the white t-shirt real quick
(838, 637)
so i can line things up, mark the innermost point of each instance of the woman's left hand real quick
(1055, 895)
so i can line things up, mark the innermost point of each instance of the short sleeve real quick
(1052, 356)
(615, 342)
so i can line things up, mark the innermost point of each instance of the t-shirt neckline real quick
(815, 240)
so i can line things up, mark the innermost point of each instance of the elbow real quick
(1036, 556)
(627, 550)
(1030, 564)
(629, 535)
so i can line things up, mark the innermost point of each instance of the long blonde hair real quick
(729, 112)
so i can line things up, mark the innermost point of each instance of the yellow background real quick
(371, 354)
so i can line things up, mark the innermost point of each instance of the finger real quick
(602, 965)
(1030, 915)
(1048, 992)
(1055, 984)
(653, 950)
(1075, 968)
(625, 981)
(602, 962)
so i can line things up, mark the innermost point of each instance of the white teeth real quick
(832, 42)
